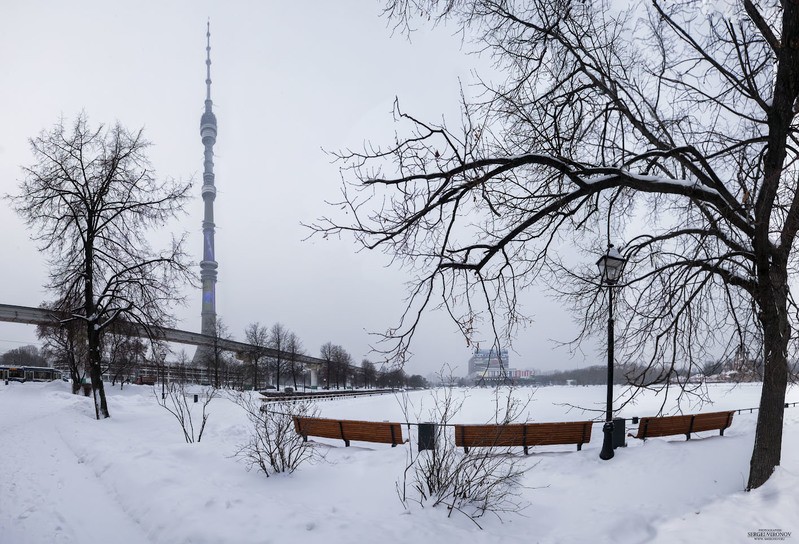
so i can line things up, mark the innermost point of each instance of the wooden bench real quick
(346, 430)
(523, 434)
(687, 424)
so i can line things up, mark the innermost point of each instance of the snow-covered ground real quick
(132, 478)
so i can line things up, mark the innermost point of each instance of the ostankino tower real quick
(208, 265)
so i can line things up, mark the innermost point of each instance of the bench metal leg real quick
(690, 428)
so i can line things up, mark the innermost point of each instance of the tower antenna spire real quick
(208, 66)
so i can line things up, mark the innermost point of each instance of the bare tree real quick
(337, 364)
(257, 336)
(278, 339)
(273, 446)
(213, 358)
(684, 150)
(342, 363)
(65, 343)
(368, 373)
(67, 348)
(176, 402)
(182, 371)
(391, 377)
(327, 353)
(90, 196)
(123, 353)
(293, 350)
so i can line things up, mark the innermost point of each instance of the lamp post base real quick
(607, 443)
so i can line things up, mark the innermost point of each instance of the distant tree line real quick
(591, 375)
(740, 368)
(23, 356)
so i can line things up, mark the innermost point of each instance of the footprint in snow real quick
(27, 512)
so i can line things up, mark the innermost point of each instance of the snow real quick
(132, 479)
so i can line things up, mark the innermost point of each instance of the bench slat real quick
(685, 424)
(347, 430)
(523, 434)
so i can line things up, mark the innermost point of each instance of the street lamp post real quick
(610, 266)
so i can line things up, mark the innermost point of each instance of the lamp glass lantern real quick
(610, 266)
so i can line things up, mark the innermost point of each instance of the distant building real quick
(494, 365)
(489, 362)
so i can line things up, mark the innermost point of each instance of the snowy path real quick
(47, 494)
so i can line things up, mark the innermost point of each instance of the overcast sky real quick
(289, 80)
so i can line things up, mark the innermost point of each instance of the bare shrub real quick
(509, 406)
(474, 483)
(273, 445)
(176, 403)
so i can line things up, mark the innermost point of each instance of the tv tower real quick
(208, 264)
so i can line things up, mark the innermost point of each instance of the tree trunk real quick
(216, 369)
(96, 374)
(92, 333)
(768, 433)
(74, 375)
